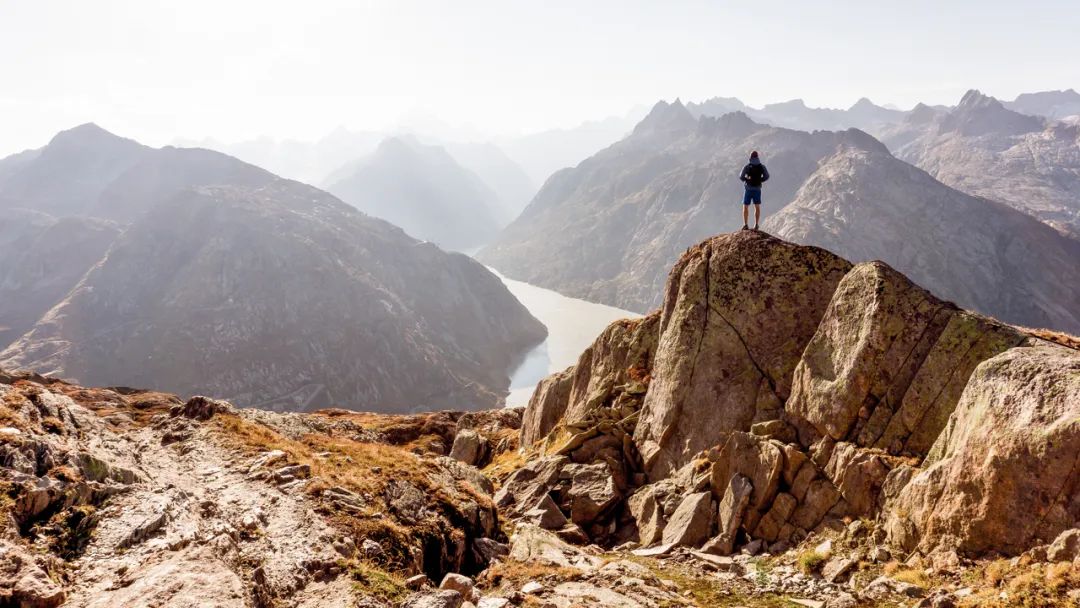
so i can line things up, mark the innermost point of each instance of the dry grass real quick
(999, 584)
(912, 577)
(506, 463)
(517, 573)
(346, 463)
(371, 581)
(809, 561)
(366, 469)
(1058, 337)
(706, 591)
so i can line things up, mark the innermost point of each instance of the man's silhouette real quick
(753, 175)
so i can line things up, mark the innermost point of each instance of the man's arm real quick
(764, 174)
(743, 176)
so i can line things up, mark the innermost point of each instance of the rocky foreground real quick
(839, 438)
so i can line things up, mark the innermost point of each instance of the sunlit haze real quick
(161, 71)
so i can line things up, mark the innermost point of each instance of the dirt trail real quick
(203, 531)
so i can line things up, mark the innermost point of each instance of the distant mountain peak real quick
(792, 104)
(980, 114)
(975, 98)
(921, 114)
(665, 117)
(87, 133)
(864, 103)
(732, 124)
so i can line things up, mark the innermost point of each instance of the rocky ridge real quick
(835, 394)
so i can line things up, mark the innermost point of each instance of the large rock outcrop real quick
(1004, 474)
(798, 390)
(888, 362)
(725, 360)
(610, 375)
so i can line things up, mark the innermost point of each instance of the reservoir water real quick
(572, 326)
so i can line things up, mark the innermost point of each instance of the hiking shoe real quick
(745, 227)
(755, 227)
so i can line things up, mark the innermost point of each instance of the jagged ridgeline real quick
(780, 389)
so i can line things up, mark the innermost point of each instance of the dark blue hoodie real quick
(754, 173)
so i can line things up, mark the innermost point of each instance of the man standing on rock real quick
(753, 175)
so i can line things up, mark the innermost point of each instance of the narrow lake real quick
(572, 326)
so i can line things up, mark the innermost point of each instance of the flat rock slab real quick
(721, 562)
(656, 551)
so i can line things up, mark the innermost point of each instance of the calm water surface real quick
(572, 326)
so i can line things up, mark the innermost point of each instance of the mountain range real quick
(210, 274)
(870, 117)
(632, 208)
(983, 148)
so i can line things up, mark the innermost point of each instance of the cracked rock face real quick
(1005, 472)
(725, 360)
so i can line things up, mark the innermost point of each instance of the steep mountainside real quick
(41, 259)
(423, 190)
(609, 229)
(867, 205)
(983, 148)
(282, 296)
(780, 392)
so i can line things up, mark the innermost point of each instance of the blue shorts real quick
(752, 195)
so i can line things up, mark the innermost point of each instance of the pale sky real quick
(157, 71)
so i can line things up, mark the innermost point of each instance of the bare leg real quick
(745, 214)
(757, 216)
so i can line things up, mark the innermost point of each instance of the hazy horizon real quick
(159, 72)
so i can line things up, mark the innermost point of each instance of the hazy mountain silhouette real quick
(422, 189)
(795, 114)
(1051, 104)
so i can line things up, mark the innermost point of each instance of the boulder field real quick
(780, 390)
